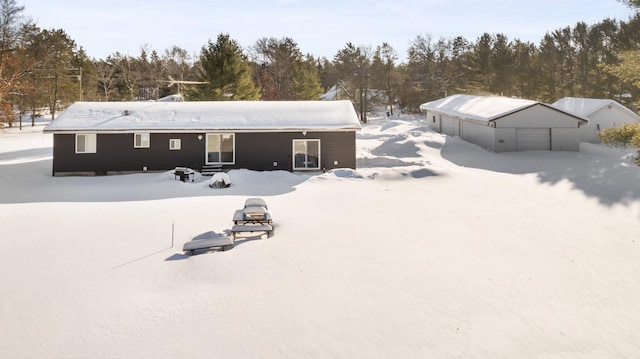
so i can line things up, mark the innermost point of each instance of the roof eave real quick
(198, 130)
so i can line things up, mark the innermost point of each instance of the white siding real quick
(505, 139)
(483, 136)
(449, 126)
(565, 139)
(532, 127)
(433, 119)
(538, 116)
(604, 118)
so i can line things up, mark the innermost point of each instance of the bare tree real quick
(9, 21)
(353, 67)
(383, 65)
(128, 73)
(105, 73)
(177, 63)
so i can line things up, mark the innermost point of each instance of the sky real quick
(320, 28)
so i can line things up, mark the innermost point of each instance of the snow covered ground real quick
(432, 248)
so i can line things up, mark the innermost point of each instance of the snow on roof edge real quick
(207, 115)
(588, 106)
(485, 108)
(479, 108)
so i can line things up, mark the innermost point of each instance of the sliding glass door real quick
(220, 148)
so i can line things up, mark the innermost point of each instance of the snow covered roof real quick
(481, 108)
(588, 106)
(209, 115)
(330, 95)
(172, 98)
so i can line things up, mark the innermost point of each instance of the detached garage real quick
(502, 124)
(602, 114)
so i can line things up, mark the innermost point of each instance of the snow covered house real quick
(602, 114)
(98, 138)
(502, 124)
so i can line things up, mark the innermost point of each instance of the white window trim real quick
(293, 147)
(90, 142)
(206, 149)
(145, 140)
(175, 144)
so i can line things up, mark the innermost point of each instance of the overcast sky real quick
(320, 28)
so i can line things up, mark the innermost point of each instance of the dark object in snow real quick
(254, 217)
(253, 227)
(185, 174)
(220, 180)
(223, 242)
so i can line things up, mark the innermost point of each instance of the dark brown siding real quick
(255, 151)
(260, 151)
(115, 153)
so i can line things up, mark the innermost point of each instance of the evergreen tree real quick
(417, 75)
(566, 61)
(502, 66)
(524, 71)
(284, 73)
(549, 69)
(227, 72)
(582, 58)
(54, 73)
(306, 84)
(459, 65)
(327, 73)
(631, 3)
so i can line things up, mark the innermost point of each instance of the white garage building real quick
(502, 124)
(602, 114)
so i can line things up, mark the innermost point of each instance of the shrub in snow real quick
(622, 137)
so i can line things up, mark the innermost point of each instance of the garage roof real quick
(588, 106)
(483, 108)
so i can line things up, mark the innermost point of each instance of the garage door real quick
(533, 139)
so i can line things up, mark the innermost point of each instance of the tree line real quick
(46, 69)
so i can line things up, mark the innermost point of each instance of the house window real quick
(221, 148)
(175, 144)
(434, 119)
(86, 143)
(141, 140)
(306, 154)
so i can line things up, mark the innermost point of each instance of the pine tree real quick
(284, 73)
(227, 72)
(306, 82)
(482, 73)
(631, 3)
